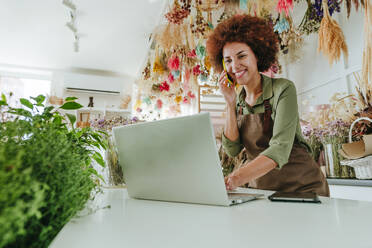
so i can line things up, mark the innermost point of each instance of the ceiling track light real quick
(69, 4)
(71, 26)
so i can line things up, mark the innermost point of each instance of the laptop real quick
(174, 160)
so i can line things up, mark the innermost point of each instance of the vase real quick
(91, 103)
(116, 177)
(332, 160)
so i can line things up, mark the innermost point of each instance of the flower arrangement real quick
(325, 127)
(115, 170)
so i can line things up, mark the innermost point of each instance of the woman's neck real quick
(254, 86)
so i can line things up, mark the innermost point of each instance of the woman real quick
(263, 118)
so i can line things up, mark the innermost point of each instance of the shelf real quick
(105, 110)
(209, 102)
(350, 182)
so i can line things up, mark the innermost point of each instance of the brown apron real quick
(301, 173)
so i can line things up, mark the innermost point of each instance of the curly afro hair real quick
(254, 31)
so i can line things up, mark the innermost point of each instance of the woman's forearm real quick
(254, 169)
(231, 128)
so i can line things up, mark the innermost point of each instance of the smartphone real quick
(230, 81)
(309, 197)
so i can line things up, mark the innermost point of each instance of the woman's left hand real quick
(232, 181)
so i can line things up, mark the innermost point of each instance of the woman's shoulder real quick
(282, 84)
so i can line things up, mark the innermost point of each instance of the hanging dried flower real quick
(170, 78)
(146, 73)
(331, 39)
(356, 4)
(174, 62)
(196, 70)
(177, 14)
(186, 100)
(164, 86)
(157, 66)
(314, 14)
(147, 100)
(178, 99)
(171, 36)
(200, 27)
(200, 51)
(156, 88)
(291, 43)
(138, 104)
(203, 77)
(191, 54)
(191, 95)
(207, 63)
(281, 26)
(176, 74)
(284, 5)
(159, 104)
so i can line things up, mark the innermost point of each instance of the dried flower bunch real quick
(291, 42)
(209, 5)
(146, 73)
(178, 13)
(356, 5)
(108, 124)
(261, 8)
(200, 27)
(331, 38)
(314, 14)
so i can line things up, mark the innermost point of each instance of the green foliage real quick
(45, 172)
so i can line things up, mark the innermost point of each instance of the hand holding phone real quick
(230, 81)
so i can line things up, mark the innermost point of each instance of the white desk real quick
(261, 223)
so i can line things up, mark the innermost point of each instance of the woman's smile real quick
(239, 74)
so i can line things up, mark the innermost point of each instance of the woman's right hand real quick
(228, 92)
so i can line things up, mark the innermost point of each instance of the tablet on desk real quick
(295, 197)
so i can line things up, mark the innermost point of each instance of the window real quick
(23, 88)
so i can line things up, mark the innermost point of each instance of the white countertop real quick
(260, 223)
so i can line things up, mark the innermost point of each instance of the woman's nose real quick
(233, 65)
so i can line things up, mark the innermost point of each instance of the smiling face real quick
(240, 62)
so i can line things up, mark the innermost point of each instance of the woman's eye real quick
(241, 56)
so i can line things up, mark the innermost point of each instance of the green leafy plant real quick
(46, 172)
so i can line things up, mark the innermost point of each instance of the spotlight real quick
(69, 4)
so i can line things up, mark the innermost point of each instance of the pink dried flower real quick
(192, 54)
(174, 63)
(196, 70)
(191, 95)
(284, 5)
(170, 78)
(159, 104)
(164, 86)
(186, 100)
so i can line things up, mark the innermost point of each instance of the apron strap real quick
(240, 110)
(267, 116)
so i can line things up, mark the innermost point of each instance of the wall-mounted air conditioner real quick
(84, 83)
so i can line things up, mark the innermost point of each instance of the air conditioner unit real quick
(84, 83)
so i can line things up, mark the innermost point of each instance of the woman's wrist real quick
(231, 106)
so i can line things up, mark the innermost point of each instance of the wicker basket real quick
(362, 166)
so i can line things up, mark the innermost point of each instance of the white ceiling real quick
(114, 34)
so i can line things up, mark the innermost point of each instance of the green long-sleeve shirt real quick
(283, 100)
